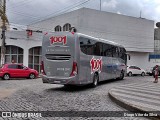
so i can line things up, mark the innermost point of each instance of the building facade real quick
(135, 34)
(22, 49)
(155, 56)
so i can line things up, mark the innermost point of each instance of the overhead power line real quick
(35, 19)
(22, 14)
(22, 3)
(62, 11)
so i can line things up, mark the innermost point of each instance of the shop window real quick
(35, 58)
(13, 53)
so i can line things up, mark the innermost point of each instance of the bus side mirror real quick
(129, 57)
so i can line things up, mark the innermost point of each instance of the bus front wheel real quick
(95, 80)
(121, 76)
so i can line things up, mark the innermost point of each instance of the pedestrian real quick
(156, 73)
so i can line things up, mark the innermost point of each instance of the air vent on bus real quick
(58, 56)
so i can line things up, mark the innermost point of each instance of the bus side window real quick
(122, 54)
(115, 51)
(90, 47)
(87, 46)
(107, 50)
(98, 49)
(83, 45)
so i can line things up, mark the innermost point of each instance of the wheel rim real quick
(6, 76)
(142, 74)
(32, 76)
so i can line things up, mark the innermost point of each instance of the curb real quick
(128, 106)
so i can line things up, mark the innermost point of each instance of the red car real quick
(17, 71)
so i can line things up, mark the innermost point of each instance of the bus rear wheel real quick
(95, 80)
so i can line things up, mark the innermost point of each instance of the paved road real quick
(33, 95)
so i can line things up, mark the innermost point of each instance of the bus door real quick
(85, 70)
(58, 54)
(115, 62)
(107, 69)
(115, 69)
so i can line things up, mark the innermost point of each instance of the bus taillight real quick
(42, 68)
(74, 69)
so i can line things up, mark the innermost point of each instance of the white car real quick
(134, 70)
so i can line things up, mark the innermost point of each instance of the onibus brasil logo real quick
(58, 39)
(96, 65)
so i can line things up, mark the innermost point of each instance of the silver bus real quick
(77, 59)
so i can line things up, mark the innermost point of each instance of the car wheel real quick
(143, 74)
(32, 76)
(95, 80)
(130, 74)
(6, 76)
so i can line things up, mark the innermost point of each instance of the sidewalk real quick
(143, 97)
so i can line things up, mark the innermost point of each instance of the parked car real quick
(134, 70)
(153, 70)
(149, 71)
(13, 70)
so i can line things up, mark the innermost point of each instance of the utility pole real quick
(140, 14)
(4, 20)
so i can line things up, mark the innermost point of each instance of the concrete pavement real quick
(143, 97)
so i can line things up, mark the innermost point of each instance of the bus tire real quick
(121, 76)
(68, 86)
(95, 80)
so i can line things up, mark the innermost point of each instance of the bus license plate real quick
(57, 81)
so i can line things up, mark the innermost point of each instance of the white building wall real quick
(154, 62)
(139, 59)
(23, 42)
(157, 46)
(135, 34)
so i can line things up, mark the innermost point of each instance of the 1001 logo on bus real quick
(58, 39)
(96, 65)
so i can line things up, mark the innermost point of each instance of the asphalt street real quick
(33, 95)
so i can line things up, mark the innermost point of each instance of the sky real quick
(24, 12)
